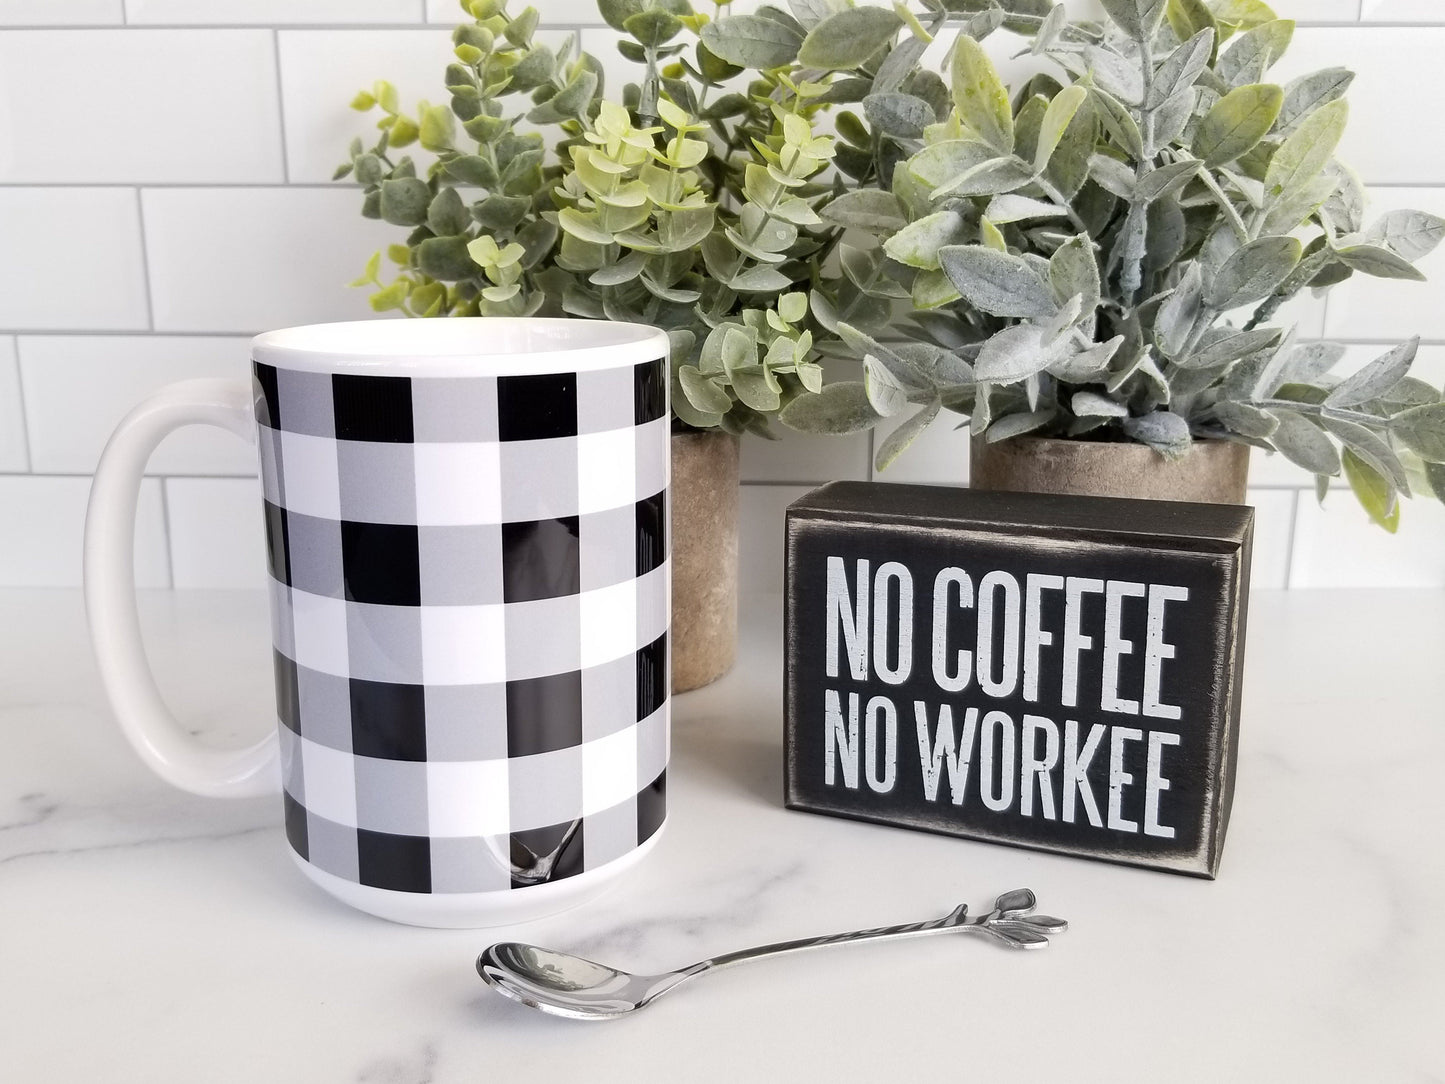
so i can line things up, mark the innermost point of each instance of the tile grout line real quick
(145, 258)
(281, 107)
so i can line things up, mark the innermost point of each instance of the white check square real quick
(609, 771)
(609, 623)
(457, 484)
(320, 635)
(467, 798)
(310, 476)
(606, 470)
(463, 645)
(330, 781)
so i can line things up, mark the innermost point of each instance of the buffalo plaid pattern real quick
(470, 600)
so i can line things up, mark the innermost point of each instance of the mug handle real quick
(110, 595)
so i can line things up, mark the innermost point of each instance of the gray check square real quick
(306, 402)
(378, 481)
(384, 642)
(283, 629)
(609, 834)
(268, 445)
(470, 864)
(652, 458)
(293, 776)
(539, 479)
(460, 566)
(652, 743)
(608, 551)
(450, 410)
(605, 400)
(315, 554)
(391, 796)
(331, 847)
(325, 708)
(545, 788)
(609, 697)
(466, 722)
(543, 637)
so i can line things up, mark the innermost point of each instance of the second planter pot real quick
(1213, 471)
(704, 557)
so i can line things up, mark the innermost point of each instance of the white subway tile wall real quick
(164, 219)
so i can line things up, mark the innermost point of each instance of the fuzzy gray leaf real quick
(1088, 404)
(1304, 95)
(1307, 363)
(1304, 444)
(1253, 272)
(918, 243)
(1167, 433)
(1376, 378)
(847, 38)
(1074, 270)
(1180, 68)
(751, 41)
(841, 407)
(1138, 18)
(886, 394)
(1112, 175)
(1246, 420)
(1014, 208)
(1411, 234)
(867, 209)
(1016, 425)
(1422, 430)
(898, 441)
(1230, 348)
(899, 115)
(1087, 365)
(1181, 308)
(1014, 354)
(998, 283)
(1377, 261)
(1165, 180)
(900, 63)
(1373, 449)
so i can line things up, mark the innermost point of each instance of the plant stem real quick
(1369, 421)
(1052, 191)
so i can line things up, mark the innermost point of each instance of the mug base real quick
(476, 910)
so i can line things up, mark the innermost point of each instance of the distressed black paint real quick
(1190, 563)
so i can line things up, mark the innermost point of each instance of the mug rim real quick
(461, 346)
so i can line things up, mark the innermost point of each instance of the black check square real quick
(537, 407)
(400, 863)
(376, 408)
(649, 395)
(388, 721)
(651, 532)
(295, 817)
(547, 854)
(651, 677)
(541, 559)
(381, 563)
(544, 713)
(288, 691)
(278, 544)
(268, 401)
(652, 807)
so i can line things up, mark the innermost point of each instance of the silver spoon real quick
(566, 985)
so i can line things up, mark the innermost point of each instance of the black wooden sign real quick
(1053, 672)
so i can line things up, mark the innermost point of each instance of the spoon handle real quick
(1009, 925)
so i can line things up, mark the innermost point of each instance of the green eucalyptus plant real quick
(1098, 256)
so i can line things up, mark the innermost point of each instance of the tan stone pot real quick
(704, 557)
(1214, 471)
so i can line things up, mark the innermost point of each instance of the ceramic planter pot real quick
(1214, 471)
(704, 557)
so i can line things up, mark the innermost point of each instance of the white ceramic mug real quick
(466, 523)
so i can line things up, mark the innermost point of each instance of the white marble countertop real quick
(147, 935)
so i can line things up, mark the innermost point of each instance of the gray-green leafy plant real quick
(1099, 255)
